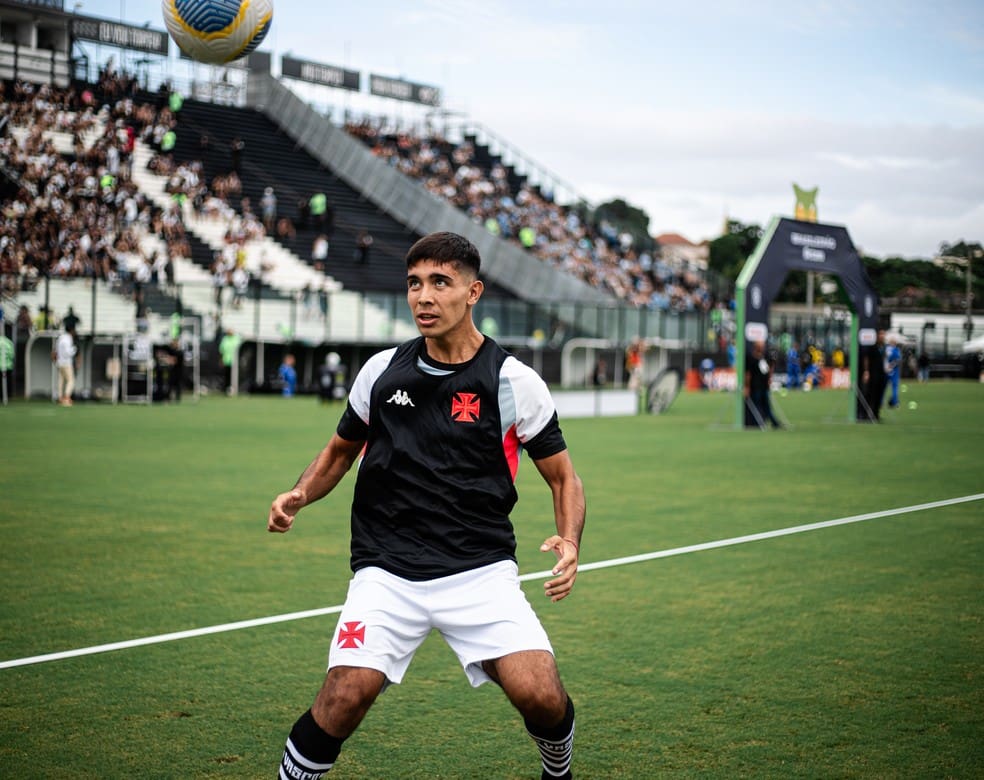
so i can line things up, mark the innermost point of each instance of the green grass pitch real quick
(852, 651)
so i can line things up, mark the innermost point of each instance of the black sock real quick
(556, 745)
(310, 751)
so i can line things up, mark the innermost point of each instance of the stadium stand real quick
(472, 179)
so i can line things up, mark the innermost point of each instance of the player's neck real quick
(455, 347)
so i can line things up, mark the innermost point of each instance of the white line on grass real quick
(537, 575)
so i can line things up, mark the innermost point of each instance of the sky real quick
(696, 111)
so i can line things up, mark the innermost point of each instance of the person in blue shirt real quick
(792, 367)
(288, 375)
(893, 370)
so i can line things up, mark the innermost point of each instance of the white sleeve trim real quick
(361, 390)
(531, 399)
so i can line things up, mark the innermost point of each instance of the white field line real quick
(537, 575)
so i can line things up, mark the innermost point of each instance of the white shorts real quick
(482, 614)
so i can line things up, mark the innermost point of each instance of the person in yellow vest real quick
(229, 350)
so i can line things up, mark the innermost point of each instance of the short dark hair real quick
(447, 248)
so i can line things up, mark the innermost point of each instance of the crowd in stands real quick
(82, 215)
(78, 214)
(597, 254)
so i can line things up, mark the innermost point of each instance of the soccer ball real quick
(217, 31)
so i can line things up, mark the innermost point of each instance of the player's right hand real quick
(283, 510)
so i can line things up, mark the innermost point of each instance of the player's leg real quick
(532, 684)
(379, 630)
(316, 738)
(345, 697)
(488, 622)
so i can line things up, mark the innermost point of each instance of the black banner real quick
(57, 5)
(318, 73)
(810, 246)
(398, 89)
(125, 36)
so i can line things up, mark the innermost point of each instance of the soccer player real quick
(442, 420)
(893, 370)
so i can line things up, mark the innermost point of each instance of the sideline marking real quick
(537, 575)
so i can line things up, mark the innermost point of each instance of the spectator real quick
(24, 322)
(318, 210)
(922, 366)
(237, 148)
(331, 378)
(71, 321)
(319, 251)
(288, 376)
(872, 387)
(362, 246)
(634, 364)
(758, 380)
(268, 209)
(893, 370)
(323, 301)
(64, 358)
(229, 353)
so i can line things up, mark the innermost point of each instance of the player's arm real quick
(318, 479)
(558, 472)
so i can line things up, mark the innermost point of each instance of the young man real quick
(63, 356)
(442, 419)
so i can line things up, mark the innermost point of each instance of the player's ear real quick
(475, 290)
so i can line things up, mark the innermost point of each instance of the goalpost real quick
(793, 245)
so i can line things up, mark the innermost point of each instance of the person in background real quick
(872, 387)
(24, 322)
(922, 366)
(288, 376)
(633, 363)
(7, 354)
(893, 370)
(362, 246)
(228, 352)
(758, 380)
(793, 366)
(64, 358)
(71, 320)
(331, 377)
(268, 209)
(599, 375)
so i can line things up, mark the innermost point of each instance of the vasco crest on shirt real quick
(465, 407)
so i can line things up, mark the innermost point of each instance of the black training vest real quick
(434, 489)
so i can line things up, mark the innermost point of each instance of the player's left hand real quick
(566, 568)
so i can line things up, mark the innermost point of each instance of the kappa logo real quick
(465, 407)
(352, 636)
(400, 398)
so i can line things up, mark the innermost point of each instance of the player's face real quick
(441, 296)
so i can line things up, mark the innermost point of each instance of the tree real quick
(626, 218)
(729, 252)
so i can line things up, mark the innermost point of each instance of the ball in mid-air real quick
(217, 31)
(913, 405)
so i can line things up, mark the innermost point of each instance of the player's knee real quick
(544, 706)
(345, 698)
